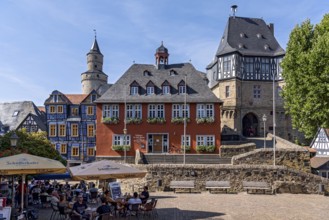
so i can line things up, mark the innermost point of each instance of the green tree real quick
(31, 143)
(306, 73)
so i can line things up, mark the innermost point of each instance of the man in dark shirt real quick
(104, 208)
(144, 195)
(79, 208)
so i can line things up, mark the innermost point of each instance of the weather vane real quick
(95, 33)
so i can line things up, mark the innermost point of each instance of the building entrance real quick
(157, 143)
(250, 125)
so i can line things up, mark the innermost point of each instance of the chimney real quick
(233, 9)
(271, 27)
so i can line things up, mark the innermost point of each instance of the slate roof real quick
(250, 37)
(95, 48)
(22, 110)
(197, 89)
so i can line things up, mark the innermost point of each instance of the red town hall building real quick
(145, 110)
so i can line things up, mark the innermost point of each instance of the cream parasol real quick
(105, 169)
(23, 164)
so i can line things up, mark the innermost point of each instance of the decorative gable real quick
(321, 143)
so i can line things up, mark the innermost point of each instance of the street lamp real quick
(14, 139)
(274, 119)
(185, 115)
(264, 120)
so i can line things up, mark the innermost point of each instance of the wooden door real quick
(157, 143)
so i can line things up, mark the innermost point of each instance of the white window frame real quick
(134, 111)
(165, 90)
(150, 90)
(75, 147)
(205, 110)
(118, 139)
(155, 111)
(61, 149)
(205, 140)
(227, 91)
(55, 130)
(134, 90)
(179, 111)
(188, 140)
(182, 89)
(110, 111)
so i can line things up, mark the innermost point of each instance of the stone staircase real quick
(189, 159)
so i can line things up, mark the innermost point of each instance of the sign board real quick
(115, 190)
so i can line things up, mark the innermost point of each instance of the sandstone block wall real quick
(295, 158)
(233, 150)
(284, 179)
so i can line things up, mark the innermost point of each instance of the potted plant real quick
(187, 148)
(134, 120)
(179, 120)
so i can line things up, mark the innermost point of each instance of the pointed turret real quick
(94, 78)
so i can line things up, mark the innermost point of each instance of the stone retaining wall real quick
(284, 179)
(295, 158)
(232, 150)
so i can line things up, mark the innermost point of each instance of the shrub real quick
(121, 147)
(110, 120)
(203, 148)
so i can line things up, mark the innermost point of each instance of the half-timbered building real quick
(320, 143)
(245, 74)
(21, 115)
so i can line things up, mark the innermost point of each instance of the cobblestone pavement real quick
(241, 206)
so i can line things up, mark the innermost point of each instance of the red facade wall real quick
(139, 132)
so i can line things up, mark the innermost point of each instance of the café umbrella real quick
(23, 164)
(105, 169)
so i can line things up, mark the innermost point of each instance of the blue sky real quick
(44, 42)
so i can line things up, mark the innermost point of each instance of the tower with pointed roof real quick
(242, 74)
(94, 78)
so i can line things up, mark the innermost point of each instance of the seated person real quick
(79, 208)
(144, 195)
(54, 198)
(104, 208)
(134, 200)
(108, 197)
(63, 203)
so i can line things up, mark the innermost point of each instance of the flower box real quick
(156, 120)
(203, 148)
(121, 147)
(187, 148)
(208, 120)
(134, 121)
(109, 120)
(179, 120)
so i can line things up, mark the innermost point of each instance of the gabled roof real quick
(249, 37)
(76, 99)
(198, 91)
(320, 142)
(317, 162)
(14, 113)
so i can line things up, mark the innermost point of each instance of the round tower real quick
(94, 77)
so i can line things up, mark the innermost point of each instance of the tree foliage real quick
(306, 73)
(31, 143)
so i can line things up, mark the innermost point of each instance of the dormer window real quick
(150, 90)
(259, 36)
(172, 73)
(134, 90)
(266, 47)
(150, 87)
(182, 87)
(15, 114)
(147, 73)
(166, 90)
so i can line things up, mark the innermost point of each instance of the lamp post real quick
(274, 119)
(264, 120)
(14, 139)
(125, 130)
(185, 115)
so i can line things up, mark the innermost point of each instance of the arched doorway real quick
(250, 125)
